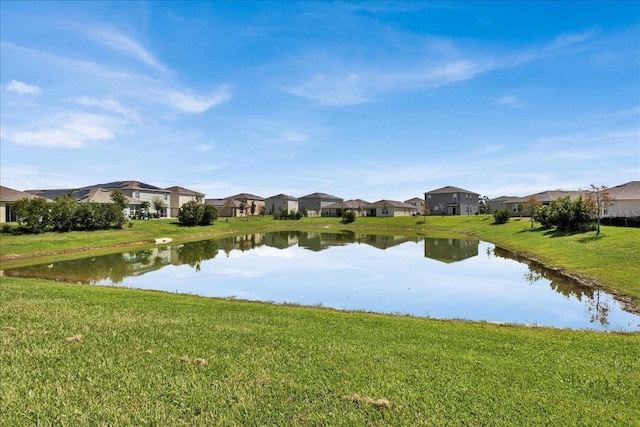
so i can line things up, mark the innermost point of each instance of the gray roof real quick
(627, 191)
(182, 190)
(349, 204)
(245, 196)
(128, 185)
(450, 189)
(84, 195)
(284, 196)
(392, 203)
(323, 196)
(10, 195)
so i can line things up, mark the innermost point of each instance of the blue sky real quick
(366, 100)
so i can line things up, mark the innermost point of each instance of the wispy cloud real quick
(116, 40)
(22, 88)
(332, 91)
(189, 102)
(107, 104)
(66, 130)
(511, 101)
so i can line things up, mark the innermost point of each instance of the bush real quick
(501, 216)
(194, 212)
(348, 217)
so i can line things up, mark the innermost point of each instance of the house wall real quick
(314, 205)
(3, 212)
(462, 204)
(623, 209)
(148, 197)
(176, 201)
(273, 205)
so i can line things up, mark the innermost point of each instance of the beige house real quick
(385, 208)
(275, 204)
(178, 196)
(8, 196)
(624, 201)
(418, 203)
(337, 209)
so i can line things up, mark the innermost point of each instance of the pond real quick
(420, 276)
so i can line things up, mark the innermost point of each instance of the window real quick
(455, 196)
(428, 196)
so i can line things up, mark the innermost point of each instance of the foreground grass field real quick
(82, 355)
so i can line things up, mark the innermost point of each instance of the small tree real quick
(253, 208)
(348, 216)
(32, 214)
(597, 200)
(158, 204)
(530, 206)
(144, 207)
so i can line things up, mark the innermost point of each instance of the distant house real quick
(143, 192)
(313, 203)
(624, 201)
(275, 204)
(386, 208)
(546, 197)
(511, 203)
(237, 205)
(91, 194)
(337, 209)
(8, 196)
(418, 203)
(178, 196)
(451, 201)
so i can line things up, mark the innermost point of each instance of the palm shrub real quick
(501, 216)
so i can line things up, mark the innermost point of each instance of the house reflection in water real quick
(449, 250)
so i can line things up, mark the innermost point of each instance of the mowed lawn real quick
(81, 355)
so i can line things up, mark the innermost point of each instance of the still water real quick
(420, 276)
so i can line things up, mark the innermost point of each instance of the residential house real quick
(451, 201)
(89, 195)
(386, 208)
(511, 203)
(313, 203)
(418, 203)
(279, 202)
(237, 205)
(8, 196)
(624, 201)
(450, 250)
(178, 196)
(143, 192)
(337, 209)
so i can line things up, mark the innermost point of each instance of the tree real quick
(144, 209)
(63, 213)
(158, 204)
(530, 206)
(32, 214)
(253, 208)
(598, 199)
(195, 212)
(242, 206)
(501, 216)
(119, 199)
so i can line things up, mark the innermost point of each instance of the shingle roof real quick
(245, 196)
(449, 189)
(283, 196)
(321, 196)
(392, 203)
(129, 185)
(349, 204)
(627, 191)
(10, 195)
(182, 190)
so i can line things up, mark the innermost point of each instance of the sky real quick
(370, 100)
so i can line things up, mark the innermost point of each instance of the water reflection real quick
(383, 273)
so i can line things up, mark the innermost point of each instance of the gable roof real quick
(627, 191)
(10, 195)
(349, 204)
(128, 185)
(450, 189)
(414, 199)
(182, 190)
(549, 195)
(245, 196)
(386, 203)
(284, 196)
(323, 196)
(84, 195)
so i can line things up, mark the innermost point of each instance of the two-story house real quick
(313, 203)
(451, 201)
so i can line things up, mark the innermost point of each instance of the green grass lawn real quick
(83, 355)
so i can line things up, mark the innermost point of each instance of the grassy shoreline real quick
(82, 355)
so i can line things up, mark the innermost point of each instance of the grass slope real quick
(82, 355)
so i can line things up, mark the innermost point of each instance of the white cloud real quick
(193, 103)
(332, 91)
(107, 104)
(66, 130)
(22, 88)
(118, 41)
(510, 101)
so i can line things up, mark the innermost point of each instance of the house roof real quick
(627, 191)
(507, 199)
(284, 196)
(414, 199)
(245, 196)
(323, 196)
(128, 185)
(84, 195)
(182, 190)
(392, 203)
(10, 195)
(450, 189)
(549, 195)
(349, 204)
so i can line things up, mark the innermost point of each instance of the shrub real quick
(501, 216)
(348, 217)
